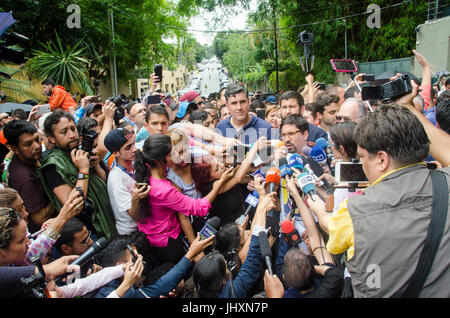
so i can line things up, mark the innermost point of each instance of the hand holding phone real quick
(158, 71)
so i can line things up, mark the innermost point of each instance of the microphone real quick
(296, 161)
(319, 155)
(285, 169)
(252, 201)
(210, 228)
(94, 249)
(306, 151)
(273, 178)
(305, 182)
(266, 252)
(290, 233)
(322, 143)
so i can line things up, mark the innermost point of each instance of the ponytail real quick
(154, 151)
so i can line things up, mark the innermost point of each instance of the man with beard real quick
(59, 98)
(327, 110)
(25, 142)
(294, 134)
(67, 168)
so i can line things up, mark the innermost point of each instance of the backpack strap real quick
(439, 211)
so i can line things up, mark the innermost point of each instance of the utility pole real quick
(114, 66)
(243, 61)
(345, 21)
(276, 41)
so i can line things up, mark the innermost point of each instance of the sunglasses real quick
(85, 242)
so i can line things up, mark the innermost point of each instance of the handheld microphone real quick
(94, 249)
(290, 233)
(266, 252)
(305, 182)
(319, 155)
(285, 168)
(322, 143)
(296, 161)
(273, 178)
(306, 151)
(210, 228)
(252, 201)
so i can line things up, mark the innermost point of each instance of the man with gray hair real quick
(353, 109)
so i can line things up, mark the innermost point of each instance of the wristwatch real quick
(82, 176)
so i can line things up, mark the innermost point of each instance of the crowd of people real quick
(228, 196)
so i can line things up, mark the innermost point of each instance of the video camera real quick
(36, 284)
(88, 137)
(388, 91)
(306, 39)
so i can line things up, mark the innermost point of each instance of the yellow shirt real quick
(340, 226)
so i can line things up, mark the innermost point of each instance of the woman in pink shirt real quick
(157, 215)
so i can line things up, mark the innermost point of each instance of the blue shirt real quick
(315, 133)
(250, 133)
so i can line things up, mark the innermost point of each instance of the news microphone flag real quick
(319, 155)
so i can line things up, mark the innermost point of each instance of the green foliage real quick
(13, 87)
(64, 64)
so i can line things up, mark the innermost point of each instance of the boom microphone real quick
(290, 233)
(266, 252)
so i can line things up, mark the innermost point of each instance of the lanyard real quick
(125, 170)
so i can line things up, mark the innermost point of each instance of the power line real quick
(267, 30)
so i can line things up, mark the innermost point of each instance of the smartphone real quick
(343, 66)
(44, 109)
(347, 173)
(370, 92)
(368, 77)
(133, 255)
(142, 185)
(154, 99)
(431, 165)
(170, 102)
(95, 99)
(322, 86)
(158, 71)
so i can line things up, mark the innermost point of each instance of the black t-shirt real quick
(229, 205)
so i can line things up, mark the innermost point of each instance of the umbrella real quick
(9, 107)
(6, 20)
(389, 74)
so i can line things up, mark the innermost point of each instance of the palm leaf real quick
(66, 65)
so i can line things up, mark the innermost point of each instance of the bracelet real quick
(51, 233)
(82, 176)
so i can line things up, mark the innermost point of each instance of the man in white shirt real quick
(124, 193)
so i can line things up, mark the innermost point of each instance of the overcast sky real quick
(229, 22)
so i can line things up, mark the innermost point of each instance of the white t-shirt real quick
(120, 188)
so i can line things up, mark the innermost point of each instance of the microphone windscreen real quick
(322, 143)
(264, 245)
(287, 226)
(306, 151)
(296, 161)
(273, 176)
(283, 161)
(214, 222)
(318, 155)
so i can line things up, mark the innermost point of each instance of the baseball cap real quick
(116, 138)
(271, 99)
(189, 96)
(91, 107)
(182, 109)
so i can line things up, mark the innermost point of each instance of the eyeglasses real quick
(291, 134)
(4, 117)
(85, 242)
(138, 112)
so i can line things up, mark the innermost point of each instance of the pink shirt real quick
(165, 201)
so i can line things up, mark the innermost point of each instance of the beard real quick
(71, 145)
(291, 148)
